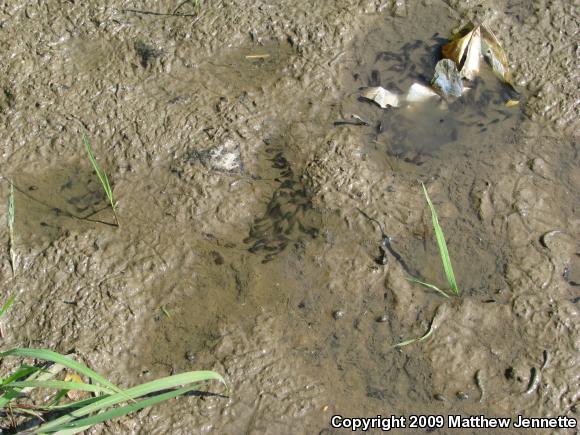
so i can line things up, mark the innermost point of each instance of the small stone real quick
(217, 258)
(189, 356)
(338, 314)
(383, 318)
(462, 396)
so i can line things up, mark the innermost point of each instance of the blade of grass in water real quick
(102, 178)
(413, 340)
(442, 246)
(437, 318)
(431, 286)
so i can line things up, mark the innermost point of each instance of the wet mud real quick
(270, 218)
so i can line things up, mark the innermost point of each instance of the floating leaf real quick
(419, 93)
(495, 55)
(447, 79)
(381, 96)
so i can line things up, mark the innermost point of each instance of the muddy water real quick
(242, 245)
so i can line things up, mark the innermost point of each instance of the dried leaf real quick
(455, 49)
(470, 67)
(465, 51)
(75, 394)
(495, 55)
(447, 79)
(418, 93)
(381, 96)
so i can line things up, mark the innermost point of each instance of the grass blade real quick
(119, 412)
(11, 224)
(38, 375)
(413, 340)
(7, 305)
(132, 393)
(21, 372)
(102, 177)
(442, 246)
(49, 355)
(431, 286)
(64, 385)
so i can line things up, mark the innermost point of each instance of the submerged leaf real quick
(418, 93)
(381, 96)
(495, 55)
(447, 79)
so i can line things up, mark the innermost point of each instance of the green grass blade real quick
(431, 286)
(21, 372)
(77, 404)
(405, 342)
(42, 374)
(11, 224)
(64, 385)
(119, 412)
(49, 355)
(442, 246)
(102, 177)
(7, 305)
(133, 393)
(413, 340)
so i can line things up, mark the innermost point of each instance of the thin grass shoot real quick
(442, 245)
(430, 286)
(416, 340)
(11, 225)
(102, 178)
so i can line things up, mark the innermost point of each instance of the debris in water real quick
(447, 79)
(381, 96)
(257, 56)
(466, 45)
(461, 60)
(357, 121)
(419, 93)
(469, 44)
(495, 54)
(338, 314)
(400, 8)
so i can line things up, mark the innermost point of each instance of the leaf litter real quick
(461, 61)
